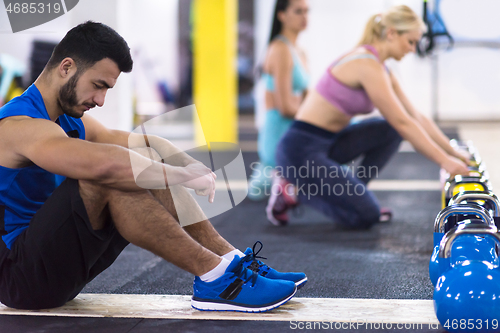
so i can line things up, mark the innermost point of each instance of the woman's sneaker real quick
(385, 215)
(251, 262)
(282, 198)
(241, 289)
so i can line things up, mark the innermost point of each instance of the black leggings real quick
(311, 158)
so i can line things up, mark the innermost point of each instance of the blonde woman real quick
(321, 138)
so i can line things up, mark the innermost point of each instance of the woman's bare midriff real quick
(271, 103)
(317, 111)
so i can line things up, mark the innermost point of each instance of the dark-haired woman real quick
(286, 80)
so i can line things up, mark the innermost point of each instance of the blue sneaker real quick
(240, 289)
(251, 262)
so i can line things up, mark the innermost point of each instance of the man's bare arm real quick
(47, 145)
(96, 132)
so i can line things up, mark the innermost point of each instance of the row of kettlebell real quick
(464, 266)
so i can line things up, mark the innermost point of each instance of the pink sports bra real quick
(351, 101)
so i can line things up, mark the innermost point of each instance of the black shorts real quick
(57, 255)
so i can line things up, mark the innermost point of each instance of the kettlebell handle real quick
(458, 179)
(456, 209)
(486, 196)
(465, 229)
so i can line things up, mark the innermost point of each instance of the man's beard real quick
(67, 97)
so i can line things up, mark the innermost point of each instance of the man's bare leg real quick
(142, 220)
(203, 232)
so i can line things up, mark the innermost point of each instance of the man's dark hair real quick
(90, 42)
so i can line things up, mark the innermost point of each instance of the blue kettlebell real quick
(467, 295)
(480, 248)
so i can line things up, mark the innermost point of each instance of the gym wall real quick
(460, 84)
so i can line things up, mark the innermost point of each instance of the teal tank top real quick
(23, 191)
(300, 77)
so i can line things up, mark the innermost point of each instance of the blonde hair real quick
(402, 18)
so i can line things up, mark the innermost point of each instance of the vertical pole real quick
(215, 75)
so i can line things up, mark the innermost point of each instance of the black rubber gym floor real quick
(390, 261)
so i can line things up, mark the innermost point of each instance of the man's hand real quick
(197, 175)
(201, 179)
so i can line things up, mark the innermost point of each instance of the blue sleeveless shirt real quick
(300, 76)
(24, 190)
